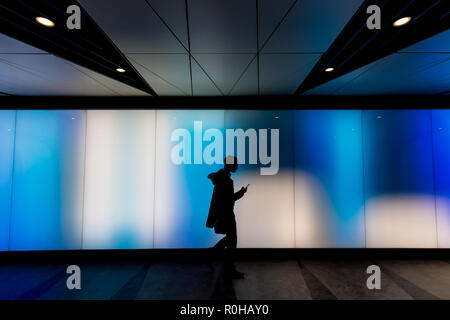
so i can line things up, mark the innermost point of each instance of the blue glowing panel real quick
(48, 180)
(265, 215)
(398, 171)
(119, 185)
(7, 129)
(182, 189)
(441, 144)
(329, 202)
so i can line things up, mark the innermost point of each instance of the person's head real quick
(231, 163)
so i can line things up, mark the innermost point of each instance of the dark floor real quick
(271, 279)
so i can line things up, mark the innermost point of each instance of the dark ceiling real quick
(221, 48)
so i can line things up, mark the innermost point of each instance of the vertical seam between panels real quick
(294, 173)
(12, 181)
(154, 179)
(433, 166)
(363, 177)
(186, 9)
(84, 177)
(257, 44)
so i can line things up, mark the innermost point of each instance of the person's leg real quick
(232, 238)
(222, 243)
(231, 246)
(213, 251)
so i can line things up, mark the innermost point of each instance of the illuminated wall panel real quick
(265, 215)
(183, 192)
(441, 144)
(329, 203)
(7, 129)
(398, 169)
(119, 190)
(108, 179)
(48, 180)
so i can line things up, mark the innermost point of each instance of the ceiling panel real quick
(117, 87)
(87, 46)
(29, 74)
(282, 73)
(25, 70)
(270, 14)
(422, 68)
(218, 26)
(224, 69)
(202, 84)
(401, 73)
(405, 73)
(357, 46)
(312, 25)
(174, 68)
(10, 45)
(173, 12)
(437, 43)
(248, 83)
(133, 26)
(159, 84)
(332, 87)
(223, 37)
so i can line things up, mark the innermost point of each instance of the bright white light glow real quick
(402, 21)
(45, 22)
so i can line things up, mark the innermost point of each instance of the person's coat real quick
(221, 215)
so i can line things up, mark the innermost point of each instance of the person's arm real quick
(240, 193)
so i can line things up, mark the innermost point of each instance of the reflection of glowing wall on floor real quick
(103, 179)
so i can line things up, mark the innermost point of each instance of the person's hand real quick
(244, 189)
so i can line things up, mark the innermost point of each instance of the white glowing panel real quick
(265, 215)
(119, 179)
(183, 191)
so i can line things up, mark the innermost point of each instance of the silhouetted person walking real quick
(221, 211)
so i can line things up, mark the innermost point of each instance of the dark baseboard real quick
(232, 102)
(192, 255)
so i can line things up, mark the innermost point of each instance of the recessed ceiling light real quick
(329, 69)
(402, 21)
(120, 70)
(45, 22)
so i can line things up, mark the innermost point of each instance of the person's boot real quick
(210, 257)
(232, 273)
(237, 275)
